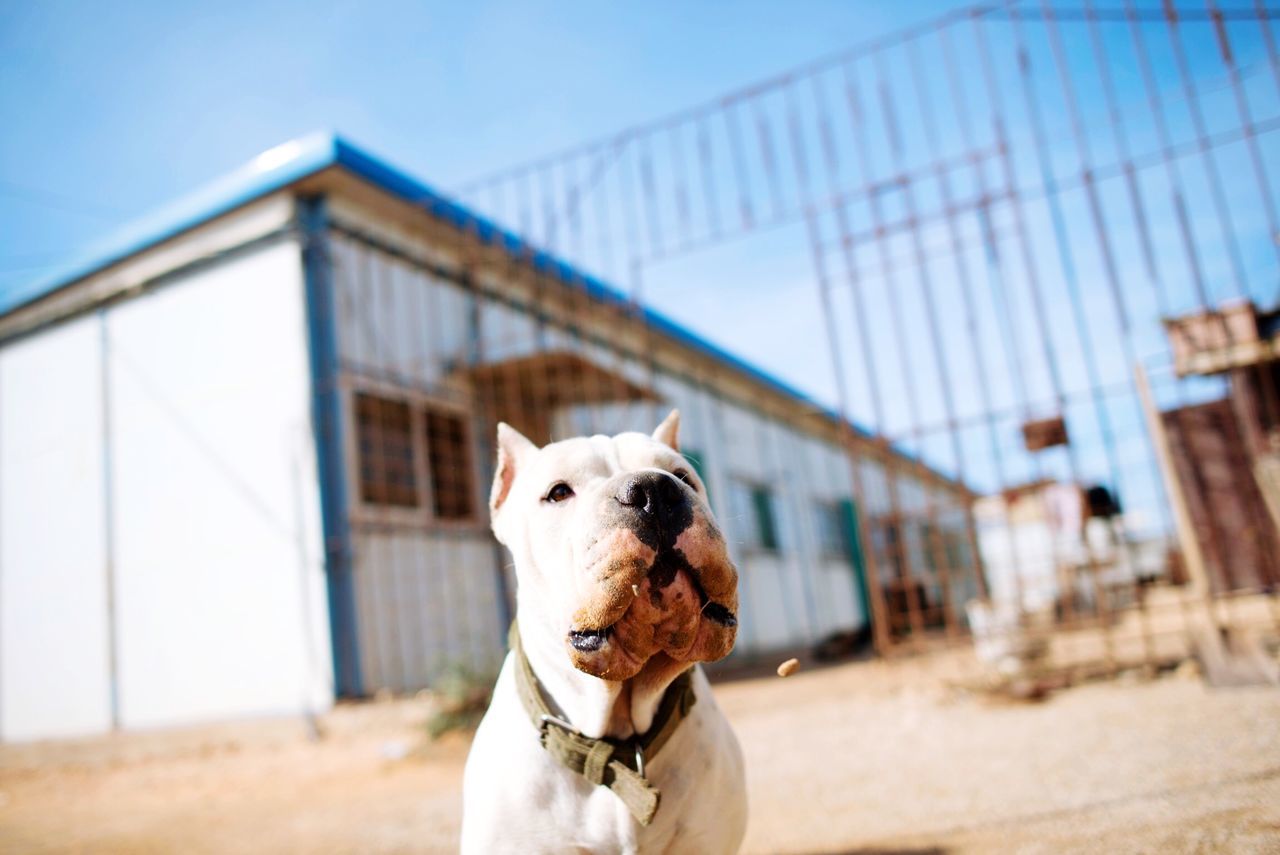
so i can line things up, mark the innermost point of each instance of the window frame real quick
(358, 483)
(468, 464)
(748, 491)
(832, 522)
(422, 516)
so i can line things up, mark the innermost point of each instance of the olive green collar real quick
(614, 763)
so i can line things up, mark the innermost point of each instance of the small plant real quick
(461, 697)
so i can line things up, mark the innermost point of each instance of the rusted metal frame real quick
(1070, 276)
(649, 196)
(1214, 609)
(631, 227)
(604, 232)
(603, 159)
(1154, 158)
(764, 139)
(734, 133)
(927, 286)
(511, 267)
(1247, 125)
(844, 197)
(906, 576)
(1121, 139)
(938, 573)
(728, 104)
(545, 375)
(1041, 333)
(1222, 211)
(1174, 178)
(680, 190)
(497, 200)
(876, 609)
(620, 359)
(829, 62)
(547, 203)
(584, 310)
(1022, 407)
(1172, 172)
(774, 440)
(548, 221)
(1101, 234)
(1268, 38)
(707, 170)
(572, 213)
(1073, 15)
(966, 286)
(635, 309)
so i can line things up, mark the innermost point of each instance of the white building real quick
(244, 452)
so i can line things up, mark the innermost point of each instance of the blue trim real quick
(327, 422)
(269, 171)
(293, 161)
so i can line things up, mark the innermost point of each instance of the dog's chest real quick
(521, 799)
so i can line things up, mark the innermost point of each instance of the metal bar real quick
(903, 562)
(327, 419)
(876, 609)
(109, 520)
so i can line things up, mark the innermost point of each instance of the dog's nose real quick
(651, 493)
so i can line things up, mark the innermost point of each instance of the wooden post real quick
(1193, 558)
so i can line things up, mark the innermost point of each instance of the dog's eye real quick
(683, 475)
(558, 492)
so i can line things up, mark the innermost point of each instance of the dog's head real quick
(614, 539)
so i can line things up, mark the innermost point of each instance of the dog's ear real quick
(513, 448)
(668, 433)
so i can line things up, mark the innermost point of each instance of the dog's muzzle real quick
(662, 581)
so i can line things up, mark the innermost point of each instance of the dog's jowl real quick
(603, 735)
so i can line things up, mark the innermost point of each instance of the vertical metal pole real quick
(906, 575)
(327, 423)
(109, 519)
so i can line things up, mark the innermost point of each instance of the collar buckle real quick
(548, 718)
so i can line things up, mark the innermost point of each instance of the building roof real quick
(289, 163)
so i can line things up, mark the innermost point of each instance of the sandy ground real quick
(870, 757)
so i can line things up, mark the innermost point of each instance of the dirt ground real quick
(869, 757)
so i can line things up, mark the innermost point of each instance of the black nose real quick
(654, 494)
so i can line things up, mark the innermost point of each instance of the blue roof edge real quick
(286, 164)
(401, 184)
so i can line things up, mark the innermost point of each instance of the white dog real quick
(603, 735)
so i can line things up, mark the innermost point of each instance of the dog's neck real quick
(594, 706)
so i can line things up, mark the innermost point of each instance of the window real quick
(698, 461)
(766, 522)
(836, 532)
(755, 520)
(448, 460)
(385, 434)
(396, 438)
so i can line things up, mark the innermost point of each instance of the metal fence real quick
(1042, 252)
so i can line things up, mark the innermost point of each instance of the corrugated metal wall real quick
(431, 597)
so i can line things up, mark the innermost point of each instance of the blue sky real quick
(114, 109)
